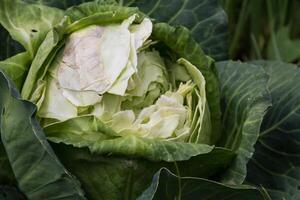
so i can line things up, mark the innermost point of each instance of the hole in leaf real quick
(34, 30)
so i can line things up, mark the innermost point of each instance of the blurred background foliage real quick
(264, 29)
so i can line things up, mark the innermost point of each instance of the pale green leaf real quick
(16, 68)
(102, 140)
(28, 23)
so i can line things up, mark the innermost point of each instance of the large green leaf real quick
(113, 177)
(37, 169)
(244, 100)
(28, 24)
(107, 177)
(166, 185)
(205, 18)
(117, 165)
(276, 162)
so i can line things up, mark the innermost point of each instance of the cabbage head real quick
(120, 95)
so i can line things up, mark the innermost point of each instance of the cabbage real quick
(130, 105)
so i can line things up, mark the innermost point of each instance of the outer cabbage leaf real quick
(166, 185)
(88, 131)
(28, 24)
(37, 169)
(113, 177)
(80, 131)
(276, 162)
(244, 100)
(16, 68)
